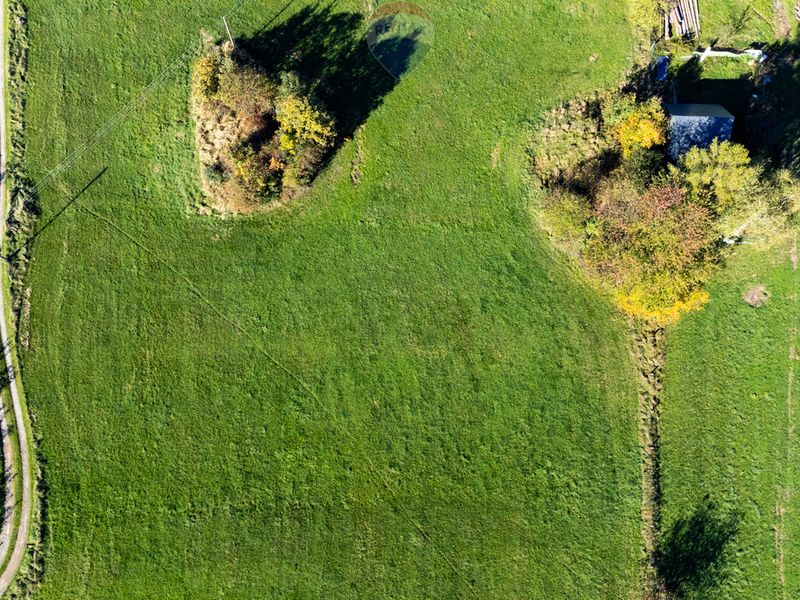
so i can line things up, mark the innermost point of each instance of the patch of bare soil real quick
(495, 155)
(757, 296)
(358, 161)
(782, 27)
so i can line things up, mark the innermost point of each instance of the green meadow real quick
(729, 414)
(729, 426)
(389, 389)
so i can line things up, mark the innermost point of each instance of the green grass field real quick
(730, 409)
(389, 390)
(729, 423)
(740, 22)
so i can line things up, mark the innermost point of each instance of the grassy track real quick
(729, 425)
(472, 427)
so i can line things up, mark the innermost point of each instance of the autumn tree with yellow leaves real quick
(259, 139)
(649, 232)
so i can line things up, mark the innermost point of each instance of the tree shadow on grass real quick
(692, 558)
(329, 50)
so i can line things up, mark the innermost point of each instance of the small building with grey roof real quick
(697, 125)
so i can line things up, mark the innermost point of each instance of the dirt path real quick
(650, 342)
(8, 477)
(21, 507)
(782, 27)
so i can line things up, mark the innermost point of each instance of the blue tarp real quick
(662, 64)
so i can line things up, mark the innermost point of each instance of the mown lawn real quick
(740, 22)
(730, 426)
(387, 390)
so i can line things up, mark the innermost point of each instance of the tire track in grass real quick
(230, 320)
(784, 491)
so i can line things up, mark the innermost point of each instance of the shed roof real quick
(698, 110)
(697, 125)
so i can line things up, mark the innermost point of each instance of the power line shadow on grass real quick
(693, 556)
(55, 217)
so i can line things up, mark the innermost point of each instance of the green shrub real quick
(785, 197)
(723, 179)
(252, 173)
(217, 173)
(642, 166)
(564, 215)
(720, 177)
(291, 84)
(616, 107)
(248, 91)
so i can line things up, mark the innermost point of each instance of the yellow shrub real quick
(643, 128)
(301, 123)
(249, 170)
(634, 305)
(205, 77)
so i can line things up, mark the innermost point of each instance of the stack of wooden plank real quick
(682, 18)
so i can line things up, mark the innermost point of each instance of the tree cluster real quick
(259, 138)
(650, 232)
